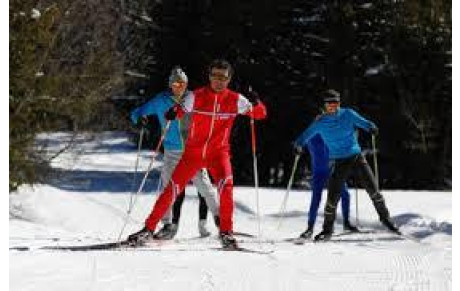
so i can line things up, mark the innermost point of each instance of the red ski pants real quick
(219, 166)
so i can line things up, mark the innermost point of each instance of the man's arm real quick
(306, 135)
(360, 121)
(149, 108)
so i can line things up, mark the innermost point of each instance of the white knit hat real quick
(177, 74)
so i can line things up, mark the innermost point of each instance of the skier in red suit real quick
(214, 109)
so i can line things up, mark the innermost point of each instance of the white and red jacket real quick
(213, 114)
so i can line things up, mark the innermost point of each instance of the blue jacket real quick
(338, 132)
(158, 105)
(319, 154)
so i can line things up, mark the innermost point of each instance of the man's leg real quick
(177, 206)
(202, 208)
(204, 187)
(221, 170)
(184, 171)
(367, 178)
(170, 161)
(345, 202)
(202, 216)
(370, 184)
(318, 182)
(340, 172)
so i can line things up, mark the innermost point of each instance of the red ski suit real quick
(207, 146)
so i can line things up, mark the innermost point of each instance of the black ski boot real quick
(390, 225)
(167, 232)
(228, 241)
(323, 236)
(140, 237)
(307, 234)
(347, 226)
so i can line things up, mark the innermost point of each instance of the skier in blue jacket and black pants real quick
(337, 129)
(320, 167)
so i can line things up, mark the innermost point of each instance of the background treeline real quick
(83, 65)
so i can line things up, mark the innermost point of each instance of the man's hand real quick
(171, 114)
(253, 97)
(142, 122)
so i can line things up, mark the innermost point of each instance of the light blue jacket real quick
(158, 105)
(338, 132)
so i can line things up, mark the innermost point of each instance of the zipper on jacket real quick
(214, 111)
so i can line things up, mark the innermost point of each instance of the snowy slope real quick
(88, 205)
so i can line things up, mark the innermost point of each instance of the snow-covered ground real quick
(87, 203)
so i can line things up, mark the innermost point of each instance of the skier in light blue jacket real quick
(173, 148)
(337, 128)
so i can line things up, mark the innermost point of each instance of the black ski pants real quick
(202, 209)
(342, 170)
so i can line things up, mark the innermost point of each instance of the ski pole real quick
(291, 179)
(356, 204)
(165, 130)
(256, 174)
(133, 182)
(376, 168)
(160, 142)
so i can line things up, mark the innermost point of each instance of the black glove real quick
(171, 114)
(142, 122)
(298, 150)
(253, 97)
(374, 130)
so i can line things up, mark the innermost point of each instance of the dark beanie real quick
(331, 96)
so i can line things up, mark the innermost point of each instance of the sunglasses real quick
(178, 84)
(219, 77)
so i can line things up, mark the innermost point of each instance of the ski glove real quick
(171, 114)
(142, 122)
(374, 131)
(253, 97)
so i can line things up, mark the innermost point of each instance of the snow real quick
(90, 205)
(35, 13)
(374, 70)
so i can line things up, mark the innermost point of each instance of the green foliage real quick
(63, 66)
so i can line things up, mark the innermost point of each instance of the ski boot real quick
(228, 241)
(347, 226)
(390, 225)
(202, 228)
(307, 234)
(323, 236)
(167, 232)
(140, 237)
